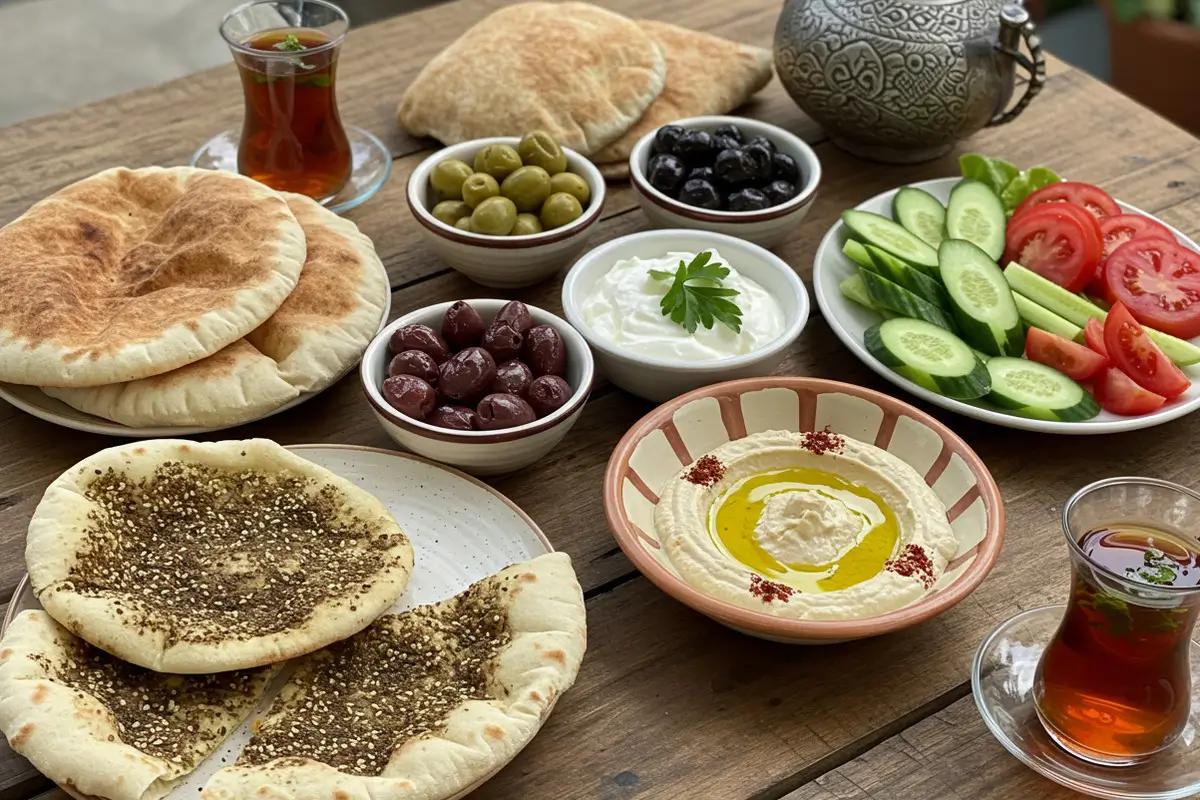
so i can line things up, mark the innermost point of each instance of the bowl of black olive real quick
(730, 175)
(488, 386)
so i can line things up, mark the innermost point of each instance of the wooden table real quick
(669, 704)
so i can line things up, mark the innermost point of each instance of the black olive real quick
(701, 174)
(765, 142)
(665, 173)
(779, 192)
(730, 130)
(758, 159)
(785, 168)
(665, 139)
(696, 148)
(733, 167)
(700, 193)
(747, 200)
(725, 142)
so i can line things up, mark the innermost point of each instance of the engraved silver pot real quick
(902, 80)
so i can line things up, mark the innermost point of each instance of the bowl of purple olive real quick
(730, 175)
(488, 386)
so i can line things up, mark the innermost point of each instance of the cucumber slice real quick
(855, 290)
(980, 299)
(854, 250)
(1035, 316)
(976, 214)
(929, 356)
(921, 214)
(887, 235)
(893, 297)
(911, 278)
(1079, 310)
(1035, 390)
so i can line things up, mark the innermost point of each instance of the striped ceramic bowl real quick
(678, 432)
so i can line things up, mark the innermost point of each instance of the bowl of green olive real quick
(506, 211)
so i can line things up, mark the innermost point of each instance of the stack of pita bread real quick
(594, 80)
(183, 297)
(351, 699)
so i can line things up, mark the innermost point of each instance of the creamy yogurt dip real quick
(623, 309)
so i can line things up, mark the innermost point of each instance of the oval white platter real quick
(461, 529)
(33, 400)
(850, 321)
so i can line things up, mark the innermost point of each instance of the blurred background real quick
(62, 53)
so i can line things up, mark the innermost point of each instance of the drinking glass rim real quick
(1102, 484)
(239, 46)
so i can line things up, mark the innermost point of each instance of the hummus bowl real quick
(680, 435)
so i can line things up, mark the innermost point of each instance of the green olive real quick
(479, 187)
(540, 150)
(528, 188)
(560, 209)
(495, 216)
(447, 178)
(497, 160)
(451, 211)
(572, 184)
(463, 224)
(526, 225)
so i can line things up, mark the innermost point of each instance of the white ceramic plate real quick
(33, 400)
(461, 529)
(850, 321)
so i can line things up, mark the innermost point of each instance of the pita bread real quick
(705, 75)
(319, 332)
(204, 557)
(431, 702)
(617, 171)
(104, 728)
(131, 273)
(576, 71)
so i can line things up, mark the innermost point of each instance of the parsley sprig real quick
(291, 43)
(696, 296)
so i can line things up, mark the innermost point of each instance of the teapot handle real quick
(1016, 25)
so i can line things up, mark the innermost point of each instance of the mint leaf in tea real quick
(1144, 555)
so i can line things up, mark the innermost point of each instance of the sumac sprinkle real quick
(769, 591)
(706, 471)
(913, 562)
(822, 442)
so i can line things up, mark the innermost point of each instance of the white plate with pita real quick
(461, 529)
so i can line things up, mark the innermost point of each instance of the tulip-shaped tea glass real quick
(292, 138)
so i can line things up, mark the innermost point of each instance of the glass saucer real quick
(372, 164)
(1002, 680)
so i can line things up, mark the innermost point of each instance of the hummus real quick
(807, 526)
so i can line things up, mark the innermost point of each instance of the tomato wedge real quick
(1093, 334)
(1084, 195)
(1116, 392)
(1058, 241)
(1071, 359)
(1123, 227)
(1136, 354)
(1159, 281)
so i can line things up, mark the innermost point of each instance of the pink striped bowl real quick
(678, 432)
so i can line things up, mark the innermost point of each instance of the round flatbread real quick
(203, 557)
(319, 332)
(131, 273)
(103, 728)
(573, 70)
(422, 705)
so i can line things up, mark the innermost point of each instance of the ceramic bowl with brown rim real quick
(503, 261)
(767, 227)
(477, 451)
(677, 433)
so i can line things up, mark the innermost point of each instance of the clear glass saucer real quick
(372, 164)
(1002, 680)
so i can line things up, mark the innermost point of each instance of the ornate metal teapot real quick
(902, 80)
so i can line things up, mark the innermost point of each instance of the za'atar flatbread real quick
(101, 727)
(203, 557)
(134, 272)
(422, 705)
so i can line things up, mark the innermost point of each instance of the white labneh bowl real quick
(478, 452)
(768, 227)
(660, 379)
(503, 261)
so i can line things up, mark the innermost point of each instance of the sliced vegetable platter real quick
(1011, 390)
